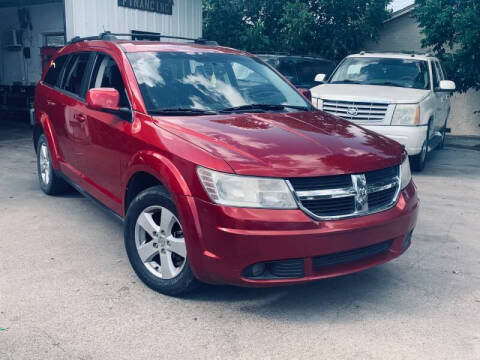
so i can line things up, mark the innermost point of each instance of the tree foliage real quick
(452, 30)
(329, 28)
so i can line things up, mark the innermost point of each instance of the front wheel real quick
(155, 243)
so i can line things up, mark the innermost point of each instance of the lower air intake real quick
(351, 255)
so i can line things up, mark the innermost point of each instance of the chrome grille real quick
(343, 196)
(356, 111)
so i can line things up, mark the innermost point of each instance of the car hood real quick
(369, 93)
(287, 144)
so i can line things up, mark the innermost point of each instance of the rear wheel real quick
(50, 183)
(156, 245)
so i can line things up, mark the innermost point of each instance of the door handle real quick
(80, 117)
(51, 103)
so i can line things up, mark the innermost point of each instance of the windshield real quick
(300, 72)
(408, 73)
(211, 82)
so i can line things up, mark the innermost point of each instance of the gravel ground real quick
(67, 290)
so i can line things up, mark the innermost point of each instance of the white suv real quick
(402, 96)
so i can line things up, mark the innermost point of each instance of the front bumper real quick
(224, 241)
(412, 137)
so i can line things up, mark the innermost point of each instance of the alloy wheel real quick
(160, 242)
(44, 160)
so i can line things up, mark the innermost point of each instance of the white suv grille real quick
(356, 111)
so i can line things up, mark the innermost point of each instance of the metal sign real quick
(158, 6)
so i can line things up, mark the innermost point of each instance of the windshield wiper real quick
(181, 111)
(346, 82)
(272, 107)
(386, 83)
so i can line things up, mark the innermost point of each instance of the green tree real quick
(329, 28)
(452, 30)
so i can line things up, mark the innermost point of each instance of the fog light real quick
(254, 271)
(258, 269)
(407, 241)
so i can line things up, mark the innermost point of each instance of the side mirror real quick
(103, 99)
(320, 78)
(446, 86)
(307, 93)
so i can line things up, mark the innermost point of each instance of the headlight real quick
(319, 104)
(405, 173)
(246, 191)
(406, 115)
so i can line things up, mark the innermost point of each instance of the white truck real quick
(405, 97)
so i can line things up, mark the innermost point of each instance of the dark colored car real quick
(221, 170)
(300, 70)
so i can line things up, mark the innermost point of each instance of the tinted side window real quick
(53, 74)
(106, 74)
(75, 71)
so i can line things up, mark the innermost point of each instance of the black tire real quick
(441, 145)
(182, 283)
(417, 162)
(53, 184)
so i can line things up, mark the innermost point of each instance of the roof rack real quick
(406, 52)
(109, 36)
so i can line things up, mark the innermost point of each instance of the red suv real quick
(222, 171)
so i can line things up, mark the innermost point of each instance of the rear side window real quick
(53, 75)
(106, 74)
(75, 72)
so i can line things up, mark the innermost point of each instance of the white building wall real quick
(46, 18)
(91, 17)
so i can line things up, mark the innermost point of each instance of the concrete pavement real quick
(67, 290)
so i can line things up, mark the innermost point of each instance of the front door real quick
(441, 98)
(105, 137)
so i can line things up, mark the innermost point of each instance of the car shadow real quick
(346, 293)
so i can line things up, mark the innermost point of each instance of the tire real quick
(153, 240)
(50, 183)
(441, 145)
(417, 162)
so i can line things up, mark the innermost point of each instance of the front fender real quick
(158, 166)
(427, 110)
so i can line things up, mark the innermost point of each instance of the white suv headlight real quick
(405, 173)
(246, 191)
(319, 104)
(406, 115)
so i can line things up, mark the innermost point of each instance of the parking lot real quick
(67, 290)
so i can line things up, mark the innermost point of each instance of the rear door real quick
(74, 126)
(50, 101)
